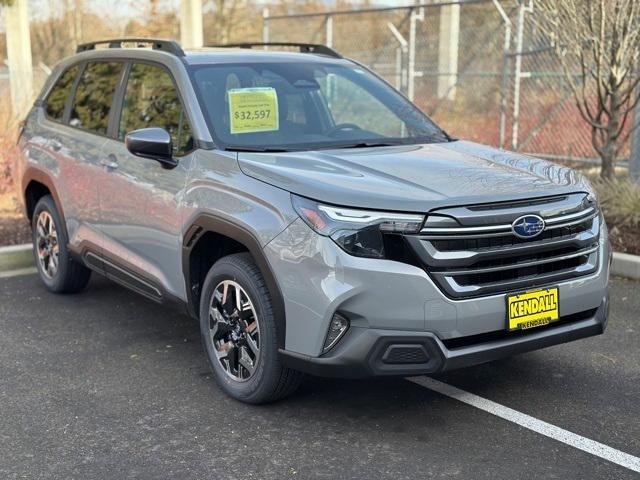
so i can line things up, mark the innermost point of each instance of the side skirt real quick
(90, 256)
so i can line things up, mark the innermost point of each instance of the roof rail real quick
(304, 47)
(169, 46)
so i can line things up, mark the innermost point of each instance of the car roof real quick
(210, 55)
(153, 48)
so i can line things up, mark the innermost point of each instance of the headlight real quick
(358, 232)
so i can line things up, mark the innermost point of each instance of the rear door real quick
(76, 119)
(139, 201)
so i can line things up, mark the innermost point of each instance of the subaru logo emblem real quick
(527, 226)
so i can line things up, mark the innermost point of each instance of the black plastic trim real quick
(164, 45)
(136, 280)
(204, 223)
(34, 174)
(316, 48)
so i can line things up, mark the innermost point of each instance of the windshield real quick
(306, 106)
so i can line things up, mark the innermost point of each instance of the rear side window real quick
(151, 100)
(94, 94)
(57, 99)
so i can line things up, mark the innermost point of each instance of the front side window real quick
(306, 106)
(57, 99)
(151, 100)
(94, 95)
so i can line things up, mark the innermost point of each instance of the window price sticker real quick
(253, 110)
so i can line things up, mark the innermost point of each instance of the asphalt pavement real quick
(106, 384)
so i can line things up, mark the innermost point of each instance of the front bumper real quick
(318, 279)
(365, 352)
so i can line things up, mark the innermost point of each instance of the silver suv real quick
(305, 212)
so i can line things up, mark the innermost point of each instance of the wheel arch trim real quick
(207, 223)
(33, 174)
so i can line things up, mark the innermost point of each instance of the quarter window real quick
(94, 95)
(151, 100)
(59, 94)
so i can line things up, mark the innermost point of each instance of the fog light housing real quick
(337, 328)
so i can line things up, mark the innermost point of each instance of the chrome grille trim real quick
(524, 283)
(571, 216)
(570, 223)
(530, 263)
(553, 222)
(456, 258)
(479, 258)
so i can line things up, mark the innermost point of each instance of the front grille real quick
(472, 251)
(508, 240)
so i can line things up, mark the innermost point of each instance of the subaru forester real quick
(306, 213)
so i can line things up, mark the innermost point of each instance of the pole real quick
(19, 57)
(400, 52)
(77, 22)
(414, 17)
(265, 25)
(191, 32)
(448, 44)
(517, 75)
(329, 31)
(505, 71)
(634, 159)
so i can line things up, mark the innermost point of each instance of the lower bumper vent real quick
(401, 354)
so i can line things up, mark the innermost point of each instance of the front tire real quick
(239, 333)
(58, 271)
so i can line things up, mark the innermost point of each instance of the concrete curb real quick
(17, 257)
(626, 265)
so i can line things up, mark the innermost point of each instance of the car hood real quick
(412, 178)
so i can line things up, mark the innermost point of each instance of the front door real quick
(139, 202)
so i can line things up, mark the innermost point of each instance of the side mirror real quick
(153, 143)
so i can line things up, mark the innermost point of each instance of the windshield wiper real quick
(362, 145)
(240, 148)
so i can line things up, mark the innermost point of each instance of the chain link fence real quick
(481, 68)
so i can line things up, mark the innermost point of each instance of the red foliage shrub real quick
(8, 155)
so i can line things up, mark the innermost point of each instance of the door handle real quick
(55, 145)
(111, 162)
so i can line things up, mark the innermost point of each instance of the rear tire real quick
(238, 332)
(58, 271)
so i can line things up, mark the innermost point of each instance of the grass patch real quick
(620, 201)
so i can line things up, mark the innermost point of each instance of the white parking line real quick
(585, 444)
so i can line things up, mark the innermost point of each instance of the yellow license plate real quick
(533, 309)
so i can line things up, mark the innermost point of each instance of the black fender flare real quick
(33, 174)
(204, 223)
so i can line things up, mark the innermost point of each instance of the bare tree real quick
(598, 44)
